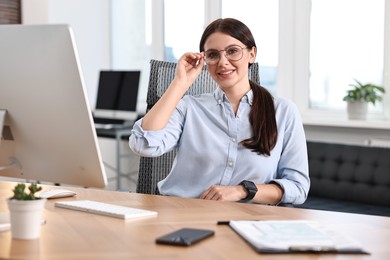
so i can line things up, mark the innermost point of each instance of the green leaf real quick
(21, 194)
(364, 92)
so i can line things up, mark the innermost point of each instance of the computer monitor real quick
(48, 133)
(117, 95)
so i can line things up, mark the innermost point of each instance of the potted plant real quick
(358, 98)
(26, 211)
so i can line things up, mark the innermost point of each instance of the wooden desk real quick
(71, 234)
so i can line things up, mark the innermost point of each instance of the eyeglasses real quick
(232, 53)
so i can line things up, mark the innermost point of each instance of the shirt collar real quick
(220, 96)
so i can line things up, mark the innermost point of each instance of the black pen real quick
(227, 222)
(223, 222)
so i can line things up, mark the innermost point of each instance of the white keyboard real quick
(105, 209)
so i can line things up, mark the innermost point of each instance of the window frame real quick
(293, 67)
(293, 60)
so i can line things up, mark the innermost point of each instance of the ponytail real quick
(263, 121)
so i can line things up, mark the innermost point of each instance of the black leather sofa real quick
(349, 178)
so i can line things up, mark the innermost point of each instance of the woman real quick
(236, 144)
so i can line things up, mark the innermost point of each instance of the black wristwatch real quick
(251, 188)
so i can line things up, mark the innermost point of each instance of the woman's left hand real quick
(224, 193)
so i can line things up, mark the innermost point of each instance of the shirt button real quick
(233, 140)
(230, 163)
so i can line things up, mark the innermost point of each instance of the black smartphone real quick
(185, 236)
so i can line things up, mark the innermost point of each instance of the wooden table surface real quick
(70, 234)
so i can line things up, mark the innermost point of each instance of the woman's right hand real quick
(189, 67)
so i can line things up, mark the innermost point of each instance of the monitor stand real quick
(13, 161)
(3, 113)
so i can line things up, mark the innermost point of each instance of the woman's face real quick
(227, 73)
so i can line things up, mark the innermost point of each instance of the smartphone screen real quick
(185, 236)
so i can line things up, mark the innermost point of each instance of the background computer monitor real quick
(117, 95)
(48, 124)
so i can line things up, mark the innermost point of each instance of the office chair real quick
(154, 169)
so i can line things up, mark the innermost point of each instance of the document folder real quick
(294, 236)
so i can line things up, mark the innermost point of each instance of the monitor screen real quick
(117, 95)
(48, 133)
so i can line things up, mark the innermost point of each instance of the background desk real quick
(121, 133)
(71, 234)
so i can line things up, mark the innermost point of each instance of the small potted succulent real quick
(26, 211)
(358, 98)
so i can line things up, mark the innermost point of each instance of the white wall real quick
(90, 22)
(348, 135)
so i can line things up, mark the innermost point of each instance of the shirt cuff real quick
(289, 196)
(280, 183)
(153, 138)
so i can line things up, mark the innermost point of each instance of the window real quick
(308, 50)
(183, 30)
(183, 27)
(261, 16)
(346, 43)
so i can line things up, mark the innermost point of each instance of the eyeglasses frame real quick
(224, 50)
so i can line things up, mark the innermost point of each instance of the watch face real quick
(249, 185)
(251, 188)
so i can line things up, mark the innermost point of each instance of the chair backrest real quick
(154, 169)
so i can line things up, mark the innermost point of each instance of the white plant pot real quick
(357, 110)
(26, 218)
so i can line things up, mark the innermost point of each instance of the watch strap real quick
(251, 188)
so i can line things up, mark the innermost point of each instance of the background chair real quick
(152, 170)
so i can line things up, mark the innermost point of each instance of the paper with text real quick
(293, 236)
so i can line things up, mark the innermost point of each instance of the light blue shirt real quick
(207, 135)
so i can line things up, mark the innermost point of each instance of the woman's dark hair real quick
(262, 114)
